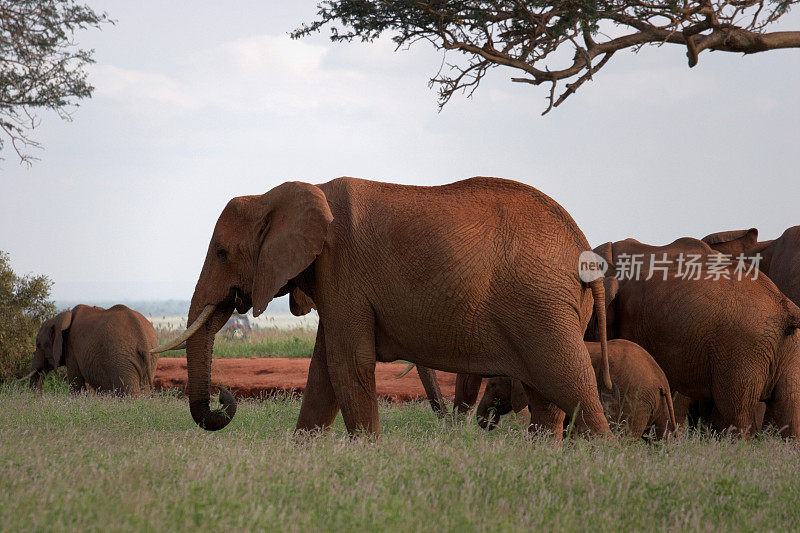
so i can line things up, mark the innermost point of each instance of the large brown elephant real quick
(644, 403)
(733, 341)
(105, 349)
(780, 258)
(479, 276)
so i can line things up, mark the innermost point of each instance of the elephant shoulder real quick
(121, 308)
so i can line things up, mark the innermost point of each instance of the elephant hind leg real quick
(638, 421)
(544, 415)
(783, 410)
(564, 376)
(735, 415)
(663, 419)
(736, 394)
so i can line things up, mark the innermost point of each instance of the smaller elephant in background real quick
(644, 402)
(105, 349)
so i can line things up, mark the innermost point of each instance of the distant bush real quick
(24, 305)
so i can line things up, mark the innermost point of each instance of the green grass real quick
(260, 342)
(89, 462)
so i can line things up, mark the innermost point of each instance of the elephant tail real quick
(668, 399)
(148, 365)
(406, 370)
(599, 294)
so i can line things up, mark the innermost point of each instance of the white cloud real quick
(265, 73)
(266, 53)
(138, 87)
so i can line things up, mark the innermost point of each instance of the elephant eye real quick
(222, 254)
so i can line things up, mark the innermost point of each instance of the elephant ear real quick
(611, 285)
(746, 238)
(294, 232)
(60, 327)
(610, 281)
(519, 400)
(299, 303)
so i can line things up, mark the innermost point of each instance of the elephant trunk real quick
(666, 396)
(487, 415)
(36, 379)
(199, 348)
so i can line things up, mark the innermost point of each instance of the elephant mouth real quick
(241, 302)
(235, 300)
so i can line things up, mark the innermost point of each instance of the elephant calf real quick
(644, 402)
(105, 349)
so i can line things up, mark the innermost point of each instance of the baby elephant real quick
(644, 400)
(106, 349)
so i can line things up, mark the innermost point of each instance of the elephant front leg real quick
(75, 379)
(319, 406)
(76, 383)
(351, 365)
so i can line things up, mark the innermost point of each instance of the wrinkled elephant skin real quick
(478, 276)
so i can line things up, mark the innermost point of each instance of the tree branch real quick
(530, 35)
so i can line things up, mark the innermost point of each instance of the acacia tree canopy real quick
(40, 64)
(531, 36)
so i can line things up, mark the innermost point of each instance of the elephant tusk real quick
(28, 376)
(181, 346)
(191, 330)
(405, 371)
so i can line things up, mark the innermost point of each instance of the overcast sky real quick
(197, 102)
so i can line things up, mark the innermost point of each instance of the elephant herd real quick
(485, 278)
(726, 342)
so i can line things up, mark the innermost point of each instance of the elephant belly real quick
(449, 352)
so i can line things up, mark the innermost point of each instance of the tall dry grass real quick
(90, 463)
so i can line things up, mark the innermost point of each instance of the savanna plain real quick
(90, 462)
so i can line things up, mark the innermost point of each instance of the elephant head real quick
(502, 396)
(50, 347)
(259, 246)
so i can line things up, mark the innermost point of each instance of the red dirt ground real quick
(257, 378)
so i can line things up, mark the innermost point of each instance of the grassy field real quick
(260, 342)
(88, 462)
